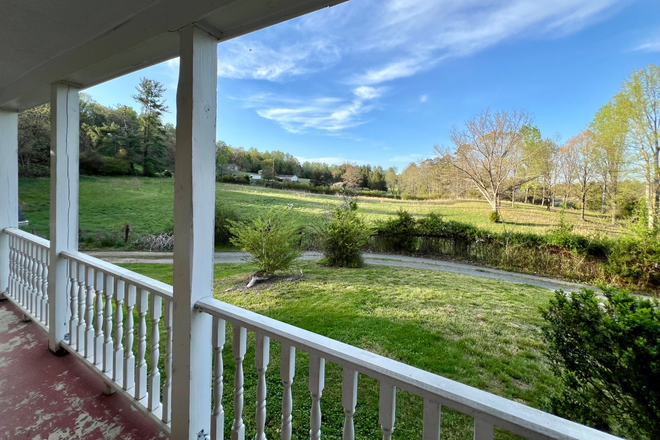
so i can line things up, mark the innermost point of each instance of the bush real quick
(495, 217)
(114, 167)
(636, 256)
(608, 359)
(90, 164)
(344, 236)
(270, 239)
(223, 218)
(399, 232)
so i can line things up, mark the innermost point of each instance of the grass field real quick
(480, 332)
(107, 204)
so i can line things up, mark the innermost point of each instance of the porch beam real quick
(8, 189)
(194, 202)
(64, 173)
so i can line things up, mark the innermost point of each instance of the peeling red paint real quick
(43, 396)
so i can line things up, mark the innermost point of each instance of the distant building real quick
(287, 178)
(255, 176)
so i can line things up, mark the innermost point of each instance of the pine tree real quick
(150, 96)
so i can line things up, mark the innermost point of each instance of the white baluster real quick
(108, 346)
(89, 315)
(387, 409)
(44, 284)
(118, 367)
(141, 369)
(483, 430)
(261, 360)
(218, 416)
(73, 301)
(99, 291)
(348, 401)
(47, 264)
(28, 276)
(35, 281)
(129, 358)
(431, 420)
(21, 267)
(156, 307)
(316, 385)
(12, 266)
(167, 386)
(287, 371)
(239, 348)
(82, 307)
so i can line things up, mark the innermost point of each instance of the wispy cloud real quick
(421, 33)
(245, 59)
(423, 98)
(652, 45)
(406, 158)
(326, 114)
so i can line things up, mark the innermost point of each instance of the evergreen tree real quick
(150, 96)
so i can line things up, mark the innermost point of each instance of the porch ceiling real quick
(89, 42)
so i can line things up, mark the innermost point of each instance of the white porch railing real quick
(115, 322)
(29, 261)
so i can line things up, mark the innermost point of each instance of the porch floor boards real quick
(43, 396)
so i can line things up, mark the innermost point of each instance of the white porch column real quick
(8, 188)
(194, 202)
(64, 145)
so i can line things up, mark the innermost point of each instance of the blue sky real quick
(383, 81)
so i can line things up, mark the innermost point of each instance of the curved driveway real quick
(375, 259)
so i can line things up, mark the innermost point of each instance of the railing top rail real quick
(507, 414)
(143, 282)
(27, 236)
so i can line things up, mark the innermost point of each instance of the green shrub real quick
(344, 236)
(114, 167)
(90, 164)
(635, 257)
(224, 215)
(495, 217)
(608, 359)
(270, 239)
(399, 232)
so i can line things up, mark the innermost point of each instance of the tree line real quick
(613, 164)
(114, 140)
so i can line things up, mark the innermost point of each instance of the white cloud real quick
(243, 59)
(649, 46)
(366, 92)
(423, 98)
(418, 34)
(326, 114)
(406, 158)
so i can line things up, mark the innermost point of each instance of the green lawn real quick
(107, 204)
(481, 332)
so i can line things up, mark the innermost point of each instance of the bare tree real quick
(489, 151)
(580, 152)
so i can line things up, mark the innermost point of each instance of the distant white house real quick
(255, 176)
(287, 178)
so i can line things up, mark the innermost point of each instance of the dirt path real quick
(375, 259)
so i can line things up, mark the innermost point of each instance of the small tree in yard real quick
(343, 236)
(608, 358)
(270, 239)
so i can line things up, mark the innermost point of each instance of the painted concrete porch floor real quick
(43, 396)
